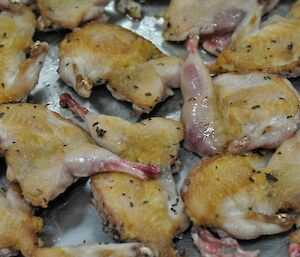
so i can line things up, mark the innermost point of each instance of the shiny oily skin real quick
(273, 48)
(134, 69)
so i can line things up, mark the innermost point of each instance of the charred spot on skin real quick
(2, 84)
(281, 98)
(290, 116)
(251, 179)
(176, 203)
(100, 132)
(290, 46)
(267, 78)
(95, 124)
(1, 114)
(145, 202)
(271, 178)
(135, 87)
(131, 204)
(173, 210)
(279, 153)
(148, 94)
(273, 41)
(255, 107)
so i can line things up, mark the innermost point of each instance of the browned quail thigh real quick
(46, 153)
(69, 14)
(19, 74)
(134, 69)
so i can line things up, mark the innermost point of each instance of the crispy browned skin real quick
(34, 149)
(211, 182)
(267, 103)
(154, 140)
(134, 68)
(274, 48)
(243, 194)
(18, 227)
(137, 209)
(69, 13)
(18, 75)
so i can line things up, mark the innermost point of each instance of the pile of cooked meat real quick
(240, 114)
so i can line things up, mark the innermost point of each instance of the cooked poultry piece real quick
(231, 112)
(69, 14)
(209, 246)
(157, 138)
(272, 48)
(102, 250)
(238, 195)
(122, 200)
(203, 123)
(243, 195)
(148, 211)
(135, 70)
(19, 74)
(46, 153)
(18, 225)
(287, 157)
(213, 20)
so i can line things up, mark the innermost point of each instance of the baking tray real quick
(72, 219)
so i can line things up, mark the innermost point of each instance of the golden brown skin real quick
(18, 74)
(274, 48)
(258, 109)
(33, 140)
(154, 140)
(136, 71)
(211, 182)
(137, 209)
(18, 227)
(69, 14)
(242, 195)
(46, 153)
